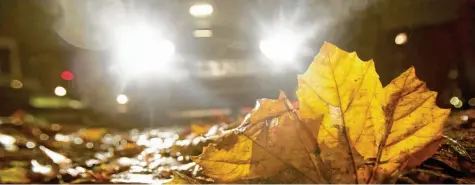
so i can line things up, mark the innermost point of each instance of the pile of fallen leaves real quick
(346, 128)
(33, 151)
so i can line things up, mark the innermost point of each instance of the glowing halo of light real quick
(16, 84)
(60, 91)
(140, 50)
(454, 100)
(201, 10)
(67, 75)
(122, 99)
(400, 38)
(282, 46)
(459, 104)
(286, 32)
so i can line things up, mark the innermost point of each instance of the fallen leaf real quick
(15, 175)
(394, 128)
(200, 129)
(339, 87)
(413, 126)
(348, 128)
(92, 134)
(268, 144)
(180, 178)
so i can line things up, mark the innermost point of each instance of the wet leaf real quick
(457, 147)
(268, 143)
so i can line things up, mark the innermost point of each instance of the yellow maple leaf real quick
(359, 116)
(269, 144)
(340, 88)
(348, 129)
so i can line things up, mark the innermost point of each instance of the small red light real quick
(67, 75)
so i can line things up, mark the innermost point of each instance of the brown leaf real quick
(268, 143)
(180, 178)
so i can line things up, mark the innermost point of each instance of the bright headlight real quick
(280, 47)
(142, 49)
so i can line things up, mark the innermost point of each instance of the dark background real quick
(440, 41)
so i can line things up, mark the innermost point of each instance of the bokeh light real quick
(122, 99)
(60, 91)
(16, 84)
(454, 100)
(67, 75)
(38, 168)
(30, 144)
(459, 104)
(201, 10)
(141, 49)
(7, 140)
(401, 38)
(464, 118)
(453, 74)
(471, 102)
(280, 47)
